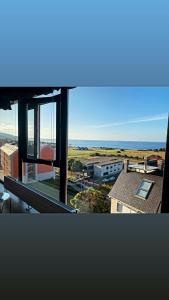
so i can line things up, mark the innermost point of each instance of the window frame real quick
(61, 137)
(35, 104)
(121, 205)
(142, 189)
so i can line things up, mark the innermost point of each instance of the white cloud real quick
(133, 121)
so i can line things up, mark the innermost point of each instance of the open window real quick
(43, 142)
(41, 130)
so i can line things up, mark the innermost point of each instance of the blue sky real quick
(105, 113)
(118, 113)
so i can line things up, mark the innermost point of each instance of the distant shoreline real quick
(138, 145)
(98, 144)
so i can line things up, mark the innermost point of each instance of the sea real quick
(138, 145)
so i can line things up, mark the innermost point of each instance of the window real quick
(31, 130)
(144, 189)
(42, 178)
(105, 173)
(119, 207)
(41, 129)
(43, 144)
(87, 139)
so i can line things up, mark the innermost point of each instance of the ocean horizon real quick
(138, 145)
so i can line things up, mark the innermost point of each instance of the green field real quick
(86, 154)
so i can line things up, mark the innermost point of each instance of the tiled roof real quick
(127, 185)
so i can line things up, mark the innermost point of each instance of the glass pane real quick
(145, 185)
(119, 207)
(48, 131)
(142, 193)
(116, 124)
(31, 132)
(43, 178)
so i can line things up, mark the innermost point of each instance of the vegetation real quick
(75, 165)
(74, 153)
(91, 200)
(105, 188)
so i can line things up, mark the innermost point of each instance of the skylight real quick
(144, 189)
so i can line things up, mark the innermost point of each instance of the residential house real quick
(137, 190)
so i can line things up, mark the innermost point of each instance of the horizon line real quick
(117, 140)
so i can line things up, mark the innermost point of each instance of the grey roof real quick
(95, 160)
(126, 186)
(100, 160)
(110, 162)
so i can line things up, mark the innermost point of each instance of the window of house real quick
(144, 189)
(119, 207)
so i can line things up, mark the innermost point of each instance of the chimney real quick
(126, 164)
(145, 164)
(160, 164)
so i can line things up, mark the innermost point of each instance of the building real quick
(28, 99)
(31, 172)
(108, 168)
(9, 160)
(102, 166)
(137, 190)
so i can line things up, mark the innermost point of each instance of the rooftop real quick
(149, 169)
(9, 149)
(110, 162)
(99, 160)
(126, 188)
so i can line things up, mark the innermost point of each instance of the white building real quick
(108, 168)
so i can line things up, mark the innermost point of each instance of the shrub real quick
(91, 200)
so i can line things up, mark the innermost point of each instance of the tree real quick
(77, 166)
(91, 200)
(70, 164)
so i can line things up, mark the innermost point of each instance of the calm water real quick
(118, 144)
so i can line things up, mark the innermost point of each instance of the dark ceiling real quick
(9, 94)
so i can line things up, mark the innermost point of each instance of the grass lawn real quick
(85, 154)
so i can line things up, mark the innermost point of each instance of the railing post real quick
(22, 136)
(64, 145)
(165, 193)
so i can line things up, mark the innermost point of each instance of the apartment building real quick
(9, 160)
(102, 166)
(31, 172)
(108, 168)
